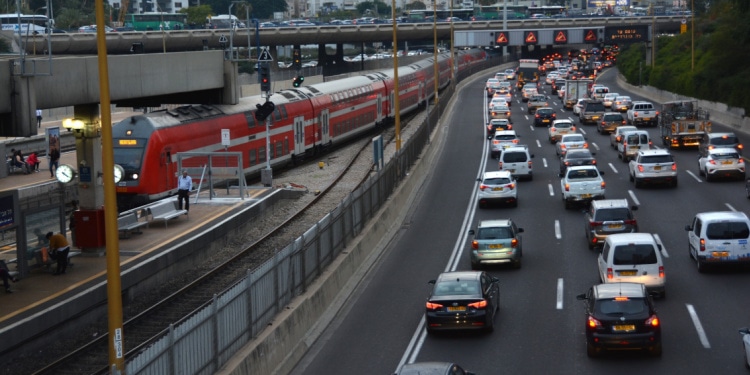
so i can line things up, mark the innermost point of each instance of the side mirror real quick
(634, 207)
(432, 282)
(688, 228)
(581, 297)
(532, 156)
(744, 330)
(520, 230)
(601, 173)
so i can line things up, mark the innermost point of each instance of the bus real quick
(224, 21)
(154, 21)
(495, 12)
(423, 15)
(27, 23)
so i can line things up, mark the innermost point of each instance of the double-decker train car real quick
(306, 121)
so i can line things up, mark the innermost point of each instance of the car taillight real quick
(740, 161)
(510, 186)
(513, 242)
(674, 166)
(515, 141)
(593, 162)
(635, 114)
(567, 187)
(500, 165)
(712, 162)
(711, 147)
(625, 144)
(593, 323)
(604, 122)
(553, 129)
(554, 115)
(495, 142)
(739, 147)
(640, 168)
(703, 244)
(624, 122)
(603, 184)
(433, 306)
(610, 274)
(478, 305)
(482, 187)
(595, 223)
(618, 138)
(562, 146)
(507, 113)
(572, 128)
(536, 115)
(493, 113)
(586, 145)
(629, 222)
(661, 271)
(474, 245)
(653, 321)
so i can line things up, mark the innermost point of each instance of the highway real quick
(540, 327)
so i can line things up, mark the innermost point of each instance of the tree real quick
(197, 15)
(415, 5)
(375, 8)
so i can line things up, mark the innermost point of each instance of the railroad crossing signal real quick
(297, 59)
(264, 110)
(297, 82)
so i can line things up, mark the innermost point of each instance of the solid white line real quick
(730, 207)
(559, 294)
(612, 166)
(415, 345)
(635, 200)
(660, 242)
(544, 162)
(694, 176)
(558, 232)
(698, 326)
(551, 190)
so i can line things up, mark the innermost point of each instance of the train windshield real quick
(129, 158)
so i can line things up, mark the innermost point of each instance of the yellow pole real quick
(435, 47)
(452, 55)
(692, 35)
(114, 287)
(397, 104)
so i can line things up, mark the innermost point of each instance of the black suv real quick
(544, 116)
(719, 140)
(609, 216)
(620, 316)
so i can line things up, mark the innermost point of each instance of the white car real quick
(616, 136)
(579, 106)
(516, 160)
(745, 334)
(581, 184)
(722, 162)
(719, 237)
(609, 99)
(501, 140)
(497, 186)
(633, 258)
(570, 141)
(653, 166)
(560, 128)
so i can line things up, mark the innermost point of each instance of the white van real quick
(719, 237)
(598, 92)
(632, 142)
(633, 258)
(517, 161)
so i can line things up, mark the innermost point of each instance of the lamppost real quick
(452, 55)
(397, 107)
(435, 47)
(692, 35)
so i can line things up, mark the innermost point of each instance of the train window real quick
(284, 113)
(276, 114)
(279, 149)
(252, 157)
(286, 147)
(262, 154)
(250, 117)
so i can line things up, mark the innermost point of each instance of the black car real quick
(576, 157)
(621, 316)
(463, 300)
(544, 116)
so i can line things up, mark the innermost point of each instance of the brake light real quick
(474, 245)
(593, 162)
(567, 187)
(604, 184)
(593, 323)
(624, 122)
(653, 321)
(618, 138)
(595, 223)
(640, 168)
(513, 242)
(482, 187)
(635, 114)
(674, 166)
(433, 306)
(739, 147)
(604, 122)
(536, 115)
(661, 271)
(511, 186)
(573, 128)
(515, 141)
(610, 274)
(629, 222)
(495, 142)
(712, 161)
(478, 305)
(562, 146)
(500, 165)
(703, 244)
(553, 129)
(554, 115)
(586, 145)
(529, 164)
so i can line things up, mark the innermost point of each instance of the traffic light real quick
(264, 110)
(297, 82)
(264, 76)
(296, 60)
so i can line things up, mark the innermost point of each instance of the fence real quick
(204, 341)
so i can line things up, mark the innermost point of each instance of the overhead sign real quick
(589, 35)
(501, 38)
(532, 37)
(561, 36)
(265, 56)
(626, 34)
(683, 29)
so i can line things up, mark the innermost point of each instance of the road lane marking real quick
(632, 196)
(558, 232)
(582, 131)
(730, 207)
(612, 166)
(544, 161)
(538, 144)
(559, 294)
(694, 176)
(596, 146)
(698, 326)
(660, 242)
(551, 190)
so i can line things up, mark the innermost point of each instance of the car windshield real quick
(621, 306)
(456, 287)
(633, 254)
(612, 214)
(652, 159)
(497, 181)
(727, 231)
(581, 174)
(493, 233)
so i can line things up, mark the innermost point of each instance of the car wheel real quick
(631, 178)
(674, 183)
(637, 183)
(701, 266)
(517, 264)
(700, 172)
(655, 350)
(708, 177)
(591, 351)
(515, 203)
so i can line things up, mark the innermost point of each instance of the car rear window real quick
(634, 254)
(724, 156)
(496, 181)
(575, 138)
(505, 137)
(722, 141)
(630, 306)
(653, 159)
(612, 214)
(452, 288)
(730, 230)
(582, 174)
(578, 155)
(545, 111)
(514, 157)
(595, 107)
(613, 118)
(494, 233)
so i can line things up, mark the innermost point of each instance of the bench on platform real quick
(165, 211)
(47, 265)
(129, 223)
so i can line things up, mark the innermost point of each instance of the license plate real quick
(624, 328)
(627, 273)
(726, 162)
(495, 246)
(595, 117)
(500, 188)
(647, 119)
(563, 132)
(614, 226)
(719, 254)
(545, 120)
(456, 308)
(585, 195)
(657, 168)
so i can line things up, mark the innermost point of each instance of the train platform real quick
(41, 289)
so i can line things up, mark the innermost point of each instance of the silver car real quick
(722, 162)
(497, 186)
(501, 140)
(496, 242)
(570, 141)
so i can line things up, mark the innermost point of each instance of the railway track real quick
(141, 327)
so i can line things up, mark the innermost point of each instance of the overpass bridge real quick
(188, 66)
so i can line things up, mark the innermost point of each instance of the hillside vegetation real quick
(722, 58)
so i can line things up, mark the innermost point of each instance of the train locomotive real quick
(306, 121)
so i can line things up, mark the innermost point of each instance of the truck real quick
(575, 89)
(682, 124)
(528, 71)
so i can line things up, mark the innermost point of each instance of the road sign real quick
(590, 35)
(225, 140)
(561, 36)
(684, 21)
(531, 37)
(222, 39)
(265, 56)
(683, 29)
(502, 38)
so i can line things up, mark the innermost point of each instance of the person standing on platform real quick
(184, 184)
(54, 161)
(72, 224)
(38, 118)
(59, 246)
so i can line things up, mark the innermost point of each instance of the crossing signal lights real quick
(296, 60)
(264, 110)
(264, 76)
(297, 81)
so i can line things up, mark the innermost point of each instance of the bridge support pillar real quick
(89, 219)
(21, 122)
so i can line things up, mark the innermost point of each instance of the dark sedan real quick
(576, 157)
(463, 300)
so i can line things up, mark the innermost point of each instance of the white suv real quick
(719, 237)
(633, 258)
(517, 161)
(653, 166)
(497, 186)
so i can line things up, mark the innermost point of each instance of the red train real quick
(306, 120)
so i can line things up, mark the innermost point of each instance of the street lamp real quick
(435, 47)
(397, 107)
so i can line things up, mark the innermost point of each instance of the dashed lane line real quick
(698, 327)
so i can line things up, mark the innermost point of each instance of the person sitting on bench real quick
(59, 248)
